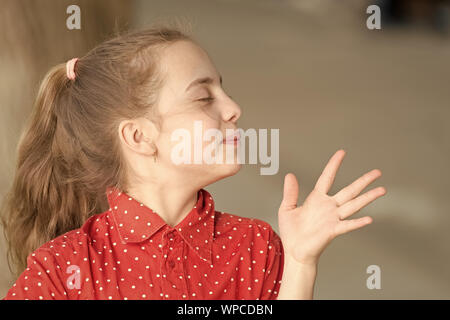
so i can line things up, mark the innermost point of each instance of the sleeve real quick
(40, 280)
(274, 268)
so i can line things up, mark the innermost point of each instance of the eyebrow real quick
(203, 80)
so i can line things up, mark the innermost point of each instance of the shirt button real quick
(171, 264)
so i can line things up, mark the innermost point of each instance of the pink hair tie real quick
(70, 68)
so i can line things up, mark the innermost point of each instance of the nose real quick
(231, 111)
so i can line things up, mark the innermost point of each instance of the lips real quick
(232, 138)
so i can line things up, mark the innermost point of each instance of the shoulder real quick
(73, 244)
(252, 229)
(228, 219)
(48, 266)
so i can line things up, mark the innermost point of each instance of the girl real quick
(98, 209)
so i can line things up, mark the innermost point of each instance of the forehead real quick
(184, 61)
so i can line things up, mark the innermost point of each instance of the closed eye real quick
(211, 98)
(206, 99)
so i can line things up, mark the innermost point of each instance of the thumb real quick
(290, 192)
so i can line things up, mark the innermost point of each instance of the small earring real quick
(154, 156)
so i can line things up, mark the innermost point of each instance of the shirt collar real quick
(136, 222)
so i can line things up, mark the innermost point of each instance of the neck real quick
(171, 202)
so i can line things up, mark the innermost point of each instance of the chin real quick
(218, 172)
(225, 170)
(230, 169)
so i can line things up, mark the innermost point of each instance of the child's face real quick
(180, 107)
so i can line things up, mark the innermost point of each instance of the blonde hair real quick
(69, 152)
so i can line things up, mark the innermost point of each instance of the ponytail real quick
(69, 152)
(42, 203)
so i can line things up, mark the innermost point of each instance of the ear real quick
(139, 135)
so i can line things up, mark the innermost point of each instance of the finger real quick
(326, 179)
(350, 225)
(353, 206)
(351, 191)
(290, 192)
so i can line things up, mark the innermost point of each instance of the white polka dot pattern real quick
(128, 252)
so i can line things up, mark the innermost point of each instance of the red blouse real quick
(129, 252)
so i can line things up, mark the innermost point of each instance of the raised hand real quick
(306, 230)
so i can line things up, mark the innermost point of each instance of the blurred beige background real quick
(313, 70)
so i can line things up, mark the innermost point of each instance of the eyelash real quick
(206, 99)
(210, 98)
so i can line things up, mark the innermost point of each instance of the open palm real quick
(306, 230)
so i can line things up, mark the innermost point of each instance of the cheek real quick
(189, 131)
(202, 130)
